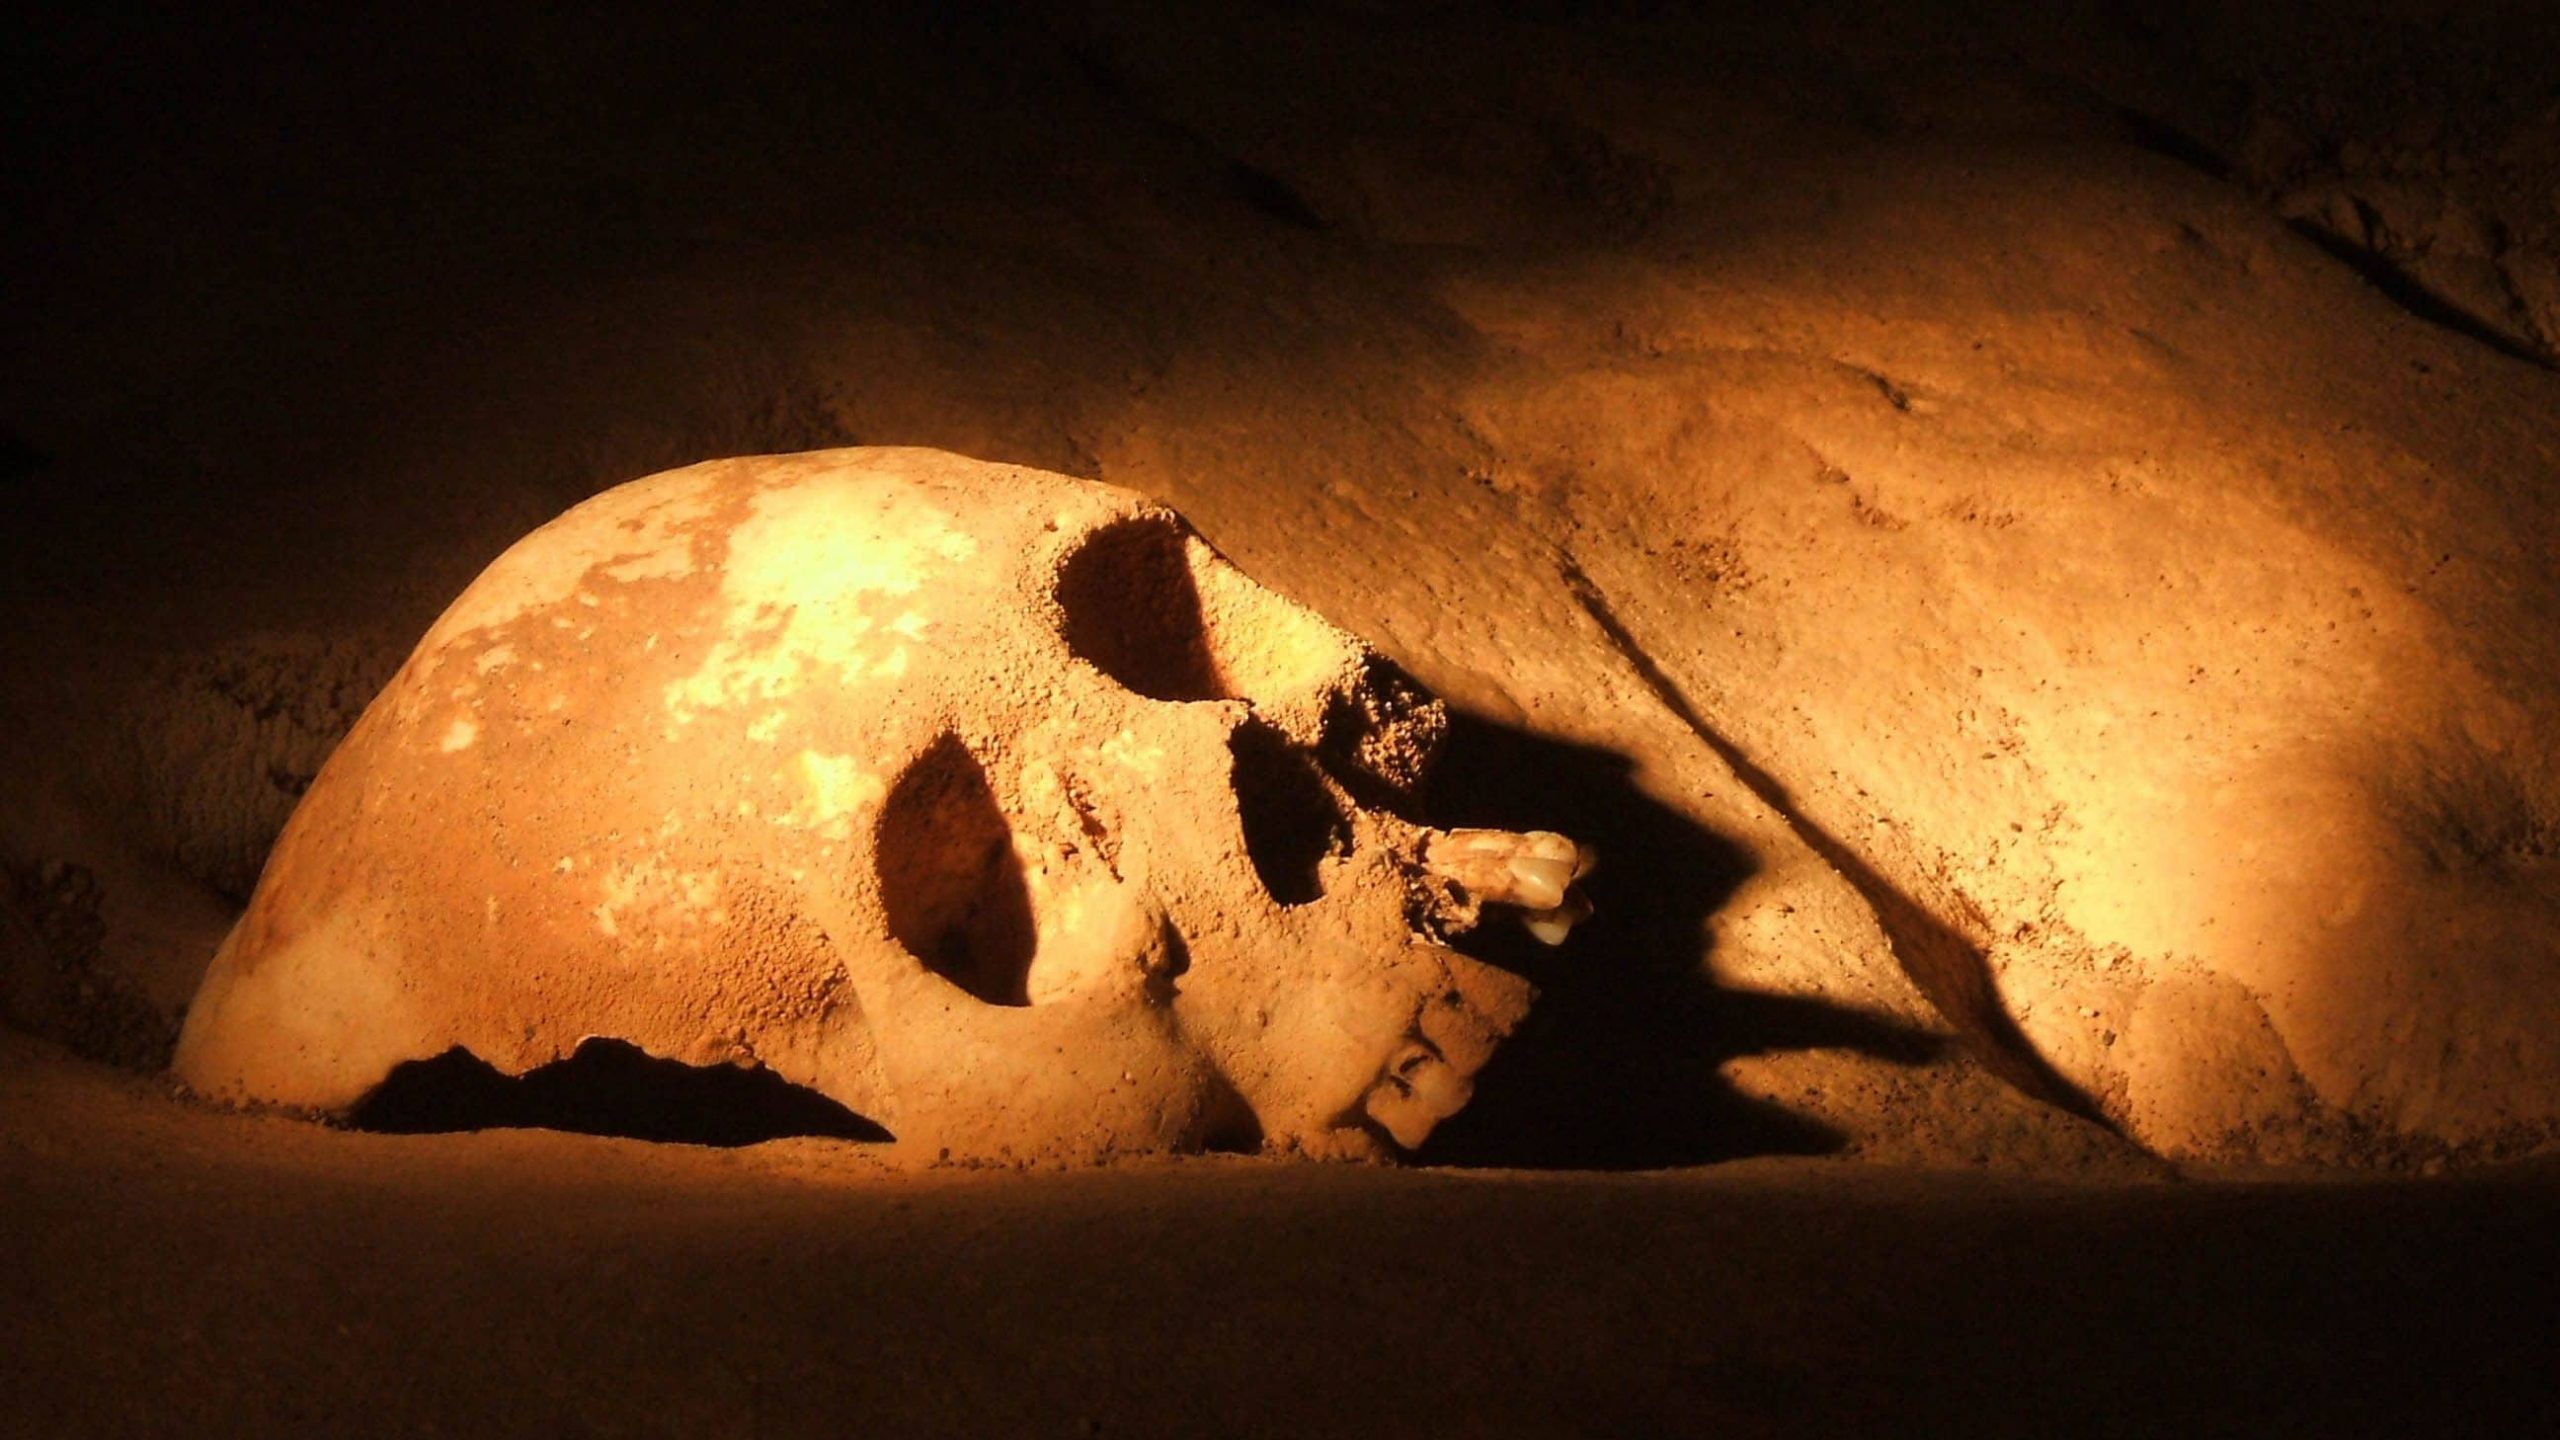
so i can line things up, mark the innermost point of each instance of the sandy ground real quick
(2025, 541)
(179, 1272)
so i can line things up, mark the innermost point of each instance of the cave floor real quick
(174, 1270)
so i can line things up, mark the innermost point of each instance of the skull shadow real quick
(1618, 1066)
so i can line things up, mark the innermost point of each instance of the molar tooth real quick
(1537, 883)
(1552, 926)
(1531, 869)
(1543, 845)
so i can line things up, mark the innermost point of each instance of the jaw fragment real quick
(1430, 1076)
(1533, 870)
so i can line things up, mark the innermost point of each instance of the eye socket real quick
(1133, 612)
(1153, 607)
(951, 884)
(1292, 819)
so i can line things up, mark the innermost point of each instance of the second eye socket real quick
(1150, 605)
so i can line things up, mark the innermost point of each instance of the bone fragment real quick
(1463, 1035)
(1496, 998)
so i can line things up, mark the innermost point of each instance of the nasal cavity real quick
(950, 882)
(1293, 821)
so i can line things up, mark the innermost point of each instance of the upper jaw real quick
(1537, 872)
(1430, 1074)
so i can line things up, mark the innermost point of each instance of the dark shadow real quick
(2161, 138)
(606, 1088)
(2409, 293)
(1618, 1065)
(18, 459)
(1272, 196)
(1947, 966)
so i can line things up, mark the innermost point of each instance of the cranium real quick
(990, 803)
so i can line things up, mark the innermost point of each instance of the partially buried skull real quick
(990, 803)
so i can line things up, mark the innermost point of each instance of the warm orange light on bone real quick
(990, 803)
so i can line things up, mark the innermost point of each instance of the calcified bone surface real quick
(990, 803)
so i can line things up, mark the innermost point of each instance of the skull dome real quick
(991, 803)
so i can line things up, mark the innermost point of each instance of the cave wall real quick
(2027, 550)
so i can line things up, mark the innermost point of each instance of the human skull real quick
(990, 803)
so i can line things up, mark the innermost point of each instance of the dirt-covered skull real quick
(990, 803)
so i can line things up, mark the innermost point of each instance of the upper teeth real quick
(1534, 870)
(1552, 926)
(1538, 883)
